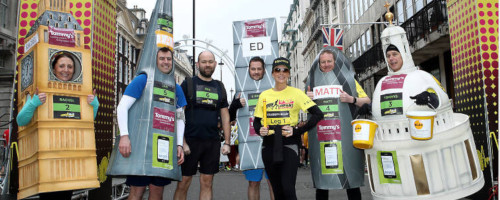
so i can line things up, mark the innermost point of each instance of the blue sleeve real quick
(95, 105)
(135, 88)
(181, 99)
(26, 113)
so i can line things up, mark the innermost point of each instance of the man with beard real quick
(206, 101)
(256, 70)
(133, 93)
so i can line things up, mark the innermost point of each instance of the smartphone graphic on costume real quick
(163, 148)
(331, 160)
(388, 165)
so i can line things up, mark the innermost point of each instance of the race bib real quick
(278, 117)
(163, 93)
(329, 107)
(391, 104)
(66, 107)
(206, 95)
(253, 98)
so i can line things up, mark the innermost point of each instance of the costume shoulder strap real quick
(190, 88)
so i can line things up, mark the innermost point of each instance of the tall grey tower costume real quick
(248, 36)
(152, 117)
(348, 169)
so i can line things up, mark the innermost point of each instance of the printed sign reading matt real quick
(329, 130)
(327, 91)
(163, 119)
(255, 28)
(391, 104)
(61, 36)
(394, 82)
(66, 107)
(163, 93)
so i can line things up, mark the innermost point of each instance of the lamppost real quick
(220, 64)
(194, 27)
(231, 90)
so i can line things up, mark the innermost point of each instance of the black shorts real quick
(141, 181)
(207, 152)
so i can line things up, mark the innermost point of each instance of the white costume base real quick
(450, 163)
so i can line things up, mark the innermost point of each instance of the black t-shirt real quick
(203, 109)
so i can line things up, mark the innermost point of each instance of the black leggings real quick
(352, 194)
(282, 175)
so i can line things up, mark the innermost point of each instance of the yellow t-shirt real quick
(360, 91)
(283, 107)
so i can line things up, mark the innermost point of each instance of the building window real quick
(355, 10)
(363, 43)
(359, 47)
(346, 12)
(409, 9)
(3, 13)
(334, 8)
(419, 4)
(368, 39)
(400, 12)
(355, 50)
(126, 48)
(2, 61)
(119, 44)
(120, 70)
(125, 77)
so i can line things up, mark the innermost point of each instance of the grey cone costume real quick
(250, 144)
(148, 136)
(351, 174)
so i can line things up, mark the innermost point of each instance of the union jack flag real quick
(333, 37)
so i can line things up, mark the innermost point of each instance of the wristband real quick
(355, 100)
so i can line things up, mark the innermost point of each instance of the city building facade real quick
(8, 37)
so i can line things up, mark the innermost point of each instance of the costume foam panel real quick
(152, 117)
(252, 38)
(348, 170)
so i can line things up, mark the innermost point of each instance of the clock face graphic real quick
(27, 65)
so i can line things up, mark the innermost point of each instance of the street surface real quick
(230, 185)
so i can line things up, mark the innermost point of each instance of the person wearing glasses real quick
(276, 116)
